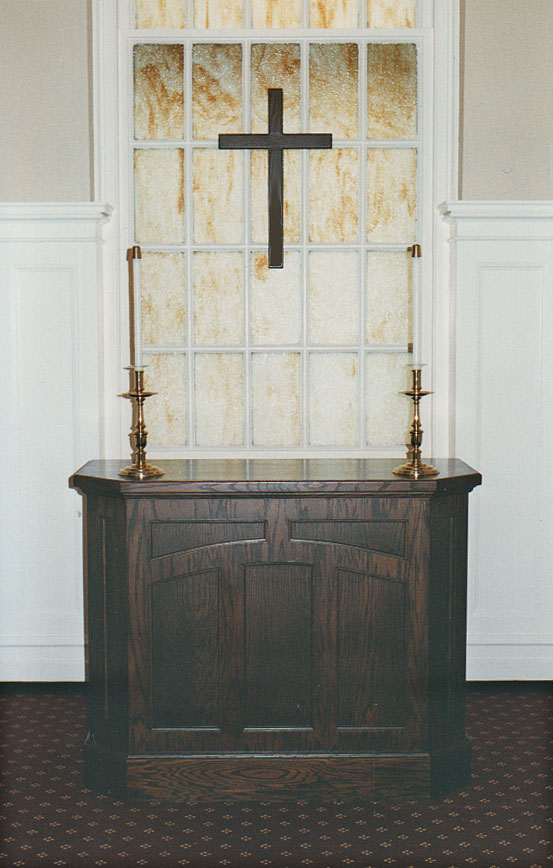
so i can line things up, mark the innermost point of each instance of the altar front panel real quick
(275, 625)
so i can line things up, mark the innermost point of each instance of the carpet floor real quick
(504, 819)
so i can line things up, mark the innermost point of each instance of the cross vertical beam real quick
(275, 141)
(276, 183)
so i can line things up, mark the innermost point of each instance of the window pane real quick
(160, 13)
(167, 411)
(163, 284)
(333, 297)
(259, 220)
(275, 66)
(216, 90)
(333, 195)
(217, 13)
(218, 187)
(333, 399)
(391, 13)
(276, 399)
(392, 91)
(158, 92)
(159, 196)
(276, 309)
(391, 184)
(219, 399)
(218, 298)
(334, 13)
(333, 72)
(389, 413)
(275, 13)
(388, 294)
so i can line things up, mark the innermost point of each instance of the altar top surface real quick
(192, 476)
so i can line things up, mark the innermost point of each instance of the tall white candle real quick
(417, 305)
(136, 336)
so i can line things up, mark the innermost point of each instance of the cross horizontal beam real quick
(264, 141)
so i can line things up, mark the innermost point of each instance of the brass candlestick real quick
(415, 467)
(140, 469)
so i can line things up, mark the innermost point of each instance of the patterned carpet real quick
(504, 819)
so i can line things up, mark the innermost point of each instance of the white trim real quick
(47, 661)
(62, 211)
(105, 16)
(445, 187)
(509, 662)
(498, 210)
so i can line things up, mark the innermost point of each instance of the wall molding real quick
(53, 221)
(49, 313)
(502, 306)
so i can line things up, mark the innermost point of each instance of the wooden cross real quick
(275, 141)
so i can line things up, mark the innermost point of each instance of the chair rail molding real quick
(50, 293)
(501, 257)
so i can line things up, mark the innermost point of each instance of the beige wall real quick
(44, 101)
(506, 116)
(507, 111)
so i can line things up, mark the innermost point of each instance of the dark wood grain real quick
(371, 651)
(314, 620)
(278, 603)
(185, 652)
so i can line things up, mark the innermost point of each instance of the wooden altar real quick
(272, 629)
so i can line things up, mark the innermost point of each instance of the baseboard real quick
(48, 662)
(513, 662)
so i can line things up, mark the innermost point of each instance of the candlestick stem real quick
(415, 467)
(139, 469)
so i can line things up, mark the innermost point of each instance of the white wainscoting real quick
(502, 266)
(49, 392)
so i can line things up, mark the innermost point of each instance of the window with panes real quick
(311, 357)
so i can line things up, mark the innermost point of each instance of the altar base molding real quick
(276, 629)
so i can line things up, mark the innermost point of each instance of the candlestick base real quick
(139, 469)
(145, 471)
(415, 467)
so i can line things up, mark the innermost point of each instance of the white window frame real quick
(439, 32)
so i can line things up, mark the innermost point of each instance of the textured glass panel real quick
(259, 196)
(276, 399)
(333, 297)
(159, 196)
(218, 298)
(333, 197)
(163, 299)
(392, 91)
(333, 399)
(275, 66)
(158, 91)
(389, 413)
(219, 400)
(166, 412)
(391, 13)
(334, 13)
(213, 14)
(388, 294)
(275, 13)
(391, 184)
(218, 186)
(276, 310)
(160, 13)
(333, 71)
(216, 90)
